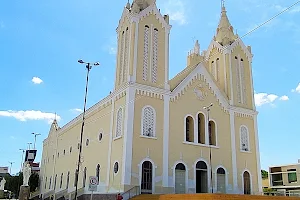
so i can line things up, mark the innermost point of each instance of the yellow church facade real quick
(194, 133)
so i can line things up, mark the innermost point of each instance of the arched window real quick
(212, 133)
(221, 180)
(126, 49)
(121, 63)
(84, 177)
(154, 58)
(218, 70)
(98, 172)
(146, 52)
(201, 177)
(243, 84)
(213, 69)
(45, 183)
(68, 180)
(244, 138)
(201, 128)
(189, 129)
(148, 121)
(180, 179)
(119, 123)
(61, 180)
(50, 183)
(238, 79)
(55, 182)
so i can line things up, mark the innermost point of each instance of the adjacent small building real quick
(285, 178)
(3, 172)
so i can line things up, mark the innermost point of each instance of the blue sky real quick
(41, 41)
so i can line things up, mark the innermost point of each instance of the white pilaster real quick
(257, 156)
(167, 35)
(166, 140)
(151, 53)
(128, 136)
(110, 141)
(252, 89)
(135, 58)
(231, 81)
(233, 152)
(206, 131)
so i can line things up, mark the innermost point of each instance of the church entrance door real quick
(146, 184)
(201, 177)
(180, 179)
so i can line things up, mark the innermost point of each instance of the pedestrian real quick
(119, 197)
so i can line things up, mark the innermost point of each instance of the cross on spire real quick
(223, 3)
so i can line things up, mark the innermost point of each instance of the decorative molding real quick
(200, 92)
(128, 137)
(154, 55)
(166, 140)
(140, 166)
(233, 152)
(146, 53)
(244, 138)
(148, 121)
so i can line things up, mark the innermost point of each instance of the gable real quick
(201, 73)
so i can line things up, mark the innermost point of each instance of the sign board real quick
(30, 155)
(93, 183)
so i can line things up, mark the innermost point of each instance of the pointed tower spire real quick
(197, 48)
(225, 35)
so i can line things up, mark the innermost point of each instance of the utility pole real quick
(88, 67)
(22, 161)
(29, 143)
(207, 108)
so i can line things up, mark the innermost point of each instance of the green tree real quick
(34, 182)
(264, 174)
(13, 183)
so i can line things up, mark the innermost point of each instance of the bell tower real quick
(230, 64)
(143, 45)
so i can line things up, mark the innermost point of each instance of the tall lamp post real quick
(23, 151)
(11, 163)
(88, 67)
(207, 108)
(35, 134)
(29, 143)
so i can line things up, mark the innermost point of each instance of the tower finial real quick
(223, 3)
(55, 116)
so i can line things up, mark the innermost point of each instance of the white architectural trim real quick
(167, 36)
(113, 167)
(150, 68)
(257, 156)
(135, 58)
(251, 184)
(248, 139)
(165, 181)
(208, 173)
(231, 81)
(225, 73)
(186, 175)
(128, 136)
(129, 53)
(154, 120)
(216, 180)
(112, 114)
(140, 166)
(233, 152)
(184, 126)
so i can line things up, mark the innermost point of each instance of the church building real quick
(193, 133)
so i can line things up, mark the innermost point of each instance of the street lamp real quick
(23, 151)
(11, 163)
(29, 143)
(88, 67)
(35, 134)
(207, 108)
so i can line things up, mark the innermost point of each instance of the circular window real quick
(116, 167)
(87, 142)
(100, 136)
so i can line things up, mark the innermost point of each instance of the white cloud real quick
(176, 10)
(264, 98)
(30, 115)
(297, 89)
(295, 10)
(76, 110)
(284, 98)
(36, 80)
